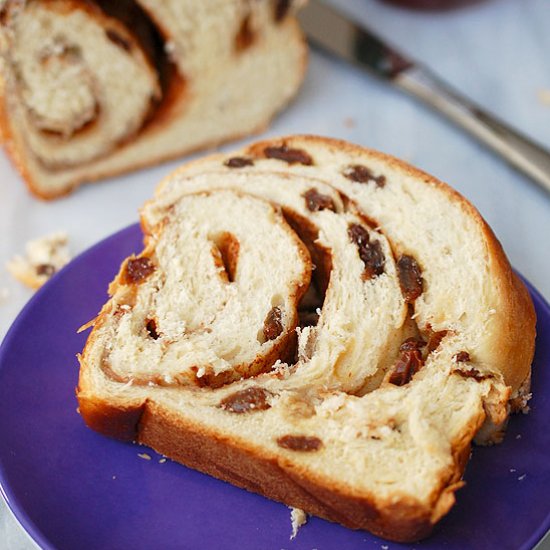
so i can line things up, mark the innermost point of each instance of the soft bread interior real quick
(205, 308)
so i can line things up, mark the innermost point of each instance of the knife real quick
(331, 30)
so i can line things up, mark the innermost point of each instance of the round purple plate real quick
(72, 488)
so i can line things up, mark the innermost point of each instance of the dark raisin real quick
(411, 344)
(4, 14)
(472, 373)
(410, 278)
(45, 269)
(316, 201)
(358, 234)
(251, 399)
(281, 9)
(151, 327)
(118, 40)
(238, 162)
(435, 339)
(462, 357)
(273, 325)
(288, 155)
(409, 362)
(302, 443)
(138, 269)
(308, 318)
(362, 174)
(370, 253)
(245, 35)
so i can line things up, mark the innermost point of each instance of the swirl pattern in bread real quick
(413, 335)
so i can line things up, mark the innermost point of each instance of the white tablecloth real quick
(497, 53)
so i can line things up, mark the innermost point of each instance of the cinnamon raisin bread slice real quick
(369, 422)
(96, 88)
(480, 304)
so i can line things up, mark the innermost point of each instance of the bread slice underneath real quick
(367, 417)
(93, 89)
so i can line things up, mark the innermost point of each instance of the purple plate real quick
(72, 488)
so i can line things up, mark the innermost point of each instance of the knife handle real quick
(518, 150)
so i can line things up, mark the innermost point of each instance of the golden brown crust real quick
(278, 478)
(120, 422)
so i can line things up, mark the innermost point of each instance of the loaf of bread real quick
(316, 322)
(90, 89)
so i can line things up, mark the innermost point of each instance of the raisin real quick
(250, 399)
(118, 40)
(409, 362)
(472, 373)
(316, 201)
(281, 9)
(410, 278)
(358, 234)
(238, 162)
(308, 318)
(435, 339)
(288, 155)
(370, 253)
(45, 269)
(362, 174)
(302, 443)
(151, 327)
(273, 326)
(462, 357)
(245, 35)
(412, 344)
(138, 269)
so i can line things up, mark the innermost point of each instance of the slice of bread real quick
(413, 337)
(93, 89)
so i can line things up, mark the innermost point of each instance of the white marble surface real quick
(496, 52)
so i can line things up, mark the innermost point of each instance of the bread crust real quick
(276, 477)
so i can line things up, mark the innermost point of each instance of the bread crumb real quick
(298, 518)
(518, 436)
(43, 258)
(544, 96)
(512, 470)
(114, 477)
(522, 477)
(384, 547)
(145, 456)
(162, 461)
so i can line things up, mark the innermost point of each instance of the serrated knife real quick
(329, 29)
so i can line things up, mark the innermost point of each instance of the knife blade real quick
(329, 29)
